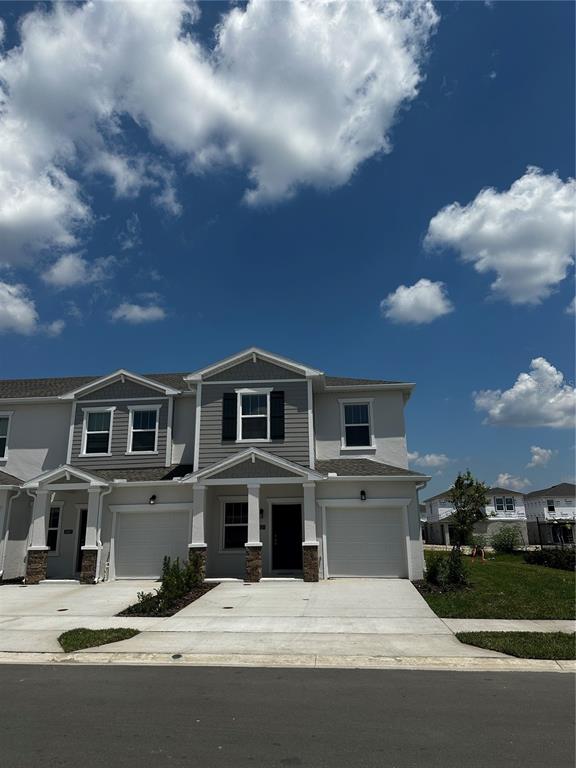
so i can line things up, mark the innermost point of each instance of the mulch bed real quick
(177, 605)
(425, 588)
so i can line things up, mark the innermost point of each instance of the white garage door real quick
(365, 542)
(144, 538)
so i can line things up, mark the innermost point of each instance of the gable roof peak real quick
(254, 353)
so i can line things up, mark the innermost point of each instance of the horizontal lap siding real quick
(119, 443)
(118, 390)
(261, 371)
(294, 447)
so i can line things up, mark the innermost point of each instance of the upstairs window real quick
(499, 504)
(4, 425)
(357, 424)
(235, 524)
(97, 431)
(253, 415)
(509, 504)
(550, 505)
(143, 437)
(53, 530)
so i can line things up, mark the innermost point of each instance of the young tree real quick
(468, 496)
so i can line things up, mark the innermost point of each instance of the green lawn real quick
(77, 639)
(524, 645)
(505, 587)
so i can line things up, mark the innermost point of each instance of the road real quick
(137, 717)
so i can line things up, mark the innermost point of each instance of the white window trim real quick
(260, 391)
(222, 550)
(131, 409)
(369, 401)
(548, 505)
(8, 415)
(87, 411)
(55, 552)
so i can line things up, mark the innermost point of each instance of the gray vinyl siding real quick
(294, 447)
(119, 441)
(256, 468)
(122, 391)
(261, 370)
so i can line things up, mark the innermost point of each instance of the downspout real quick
(6, 533)
(99, 531)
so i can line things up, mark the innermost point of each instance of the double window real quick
(235, 524)
(357, 431)
(254, 414)
(143, 432)
(504, 504)
(4, 426)
(97, 431)
(53, 530)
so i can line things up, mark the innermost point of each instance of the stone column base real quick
(88, 566)
(36, 565)
(197, 557)
(253, 564)
(310, 562)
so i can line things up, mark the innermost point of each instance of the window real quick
(97, 431)
(509, 504)
(235, 524)
(53, 529)
(550, 505)
(499, 504)
(144, 430)
(4, 425)
(356, 421)
(254, 414)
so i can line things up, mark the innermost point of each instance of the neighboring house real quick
(551, 514)
(257, 465)
(504, 507)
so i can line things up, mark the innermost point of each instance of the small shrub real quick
(507, 539)
(456, 573)
(436, 570)
(563, 559)
(479, 540)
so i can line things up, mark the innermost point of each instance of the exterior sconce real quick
(152, 499)
(362, 495)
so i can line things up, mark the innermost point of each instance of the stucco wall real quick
(389, 428)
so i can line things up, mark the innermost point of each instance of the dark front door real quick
(286, 537)
(81, 538)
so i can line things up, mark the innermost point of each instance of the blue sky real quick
(167, 266)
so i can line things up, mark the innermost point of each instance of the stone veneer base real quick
(88, 566)
(36, 565)
(310, 562)
(253, 564)
(198, 557)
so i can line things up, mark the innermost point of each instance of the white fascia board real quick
(242, 456)
(65, 469)
(121, 372)
(396, 478)
(246, 354)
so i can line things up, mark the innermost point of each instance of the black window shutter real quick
(229, 416)
(276, 415)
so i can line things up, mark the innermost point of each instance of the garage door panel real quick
(143, 539)
(366, 542)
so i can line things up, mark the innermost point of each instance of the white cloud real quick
(540, 456)
(430, 460)
(138, 313)
(72, 269)
(18, 313)
(508, 481)
(294, 94)
(539, 398)
(571, 308)
(524, 234)
(420, 303)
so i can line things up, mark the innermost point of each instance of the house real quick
(504, 507)
(254, 466)
(551, 514)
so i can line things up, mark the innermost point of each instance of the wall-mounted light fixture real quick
(152, 499)
(362, 495)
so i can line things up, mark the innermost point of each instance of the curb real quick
(452, 664)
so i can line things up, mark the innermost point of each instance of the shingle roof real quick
(345, 381)
(6, 479)
(562, 489)
(360, 467)
(60, 386)
(143, 474)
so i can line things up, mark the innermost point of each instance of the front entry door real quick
(286, 537)
(81, 538)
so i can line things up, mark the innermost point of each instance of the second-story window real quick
(550, 505)
(357, 424)
(254, 415)
(97, 431)
(4, 424)
(143, 436)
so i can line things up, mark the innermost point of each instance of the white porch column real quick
(253, 516)
(40, 512)
(198, 513)
(91, 538)
(4, 496)
(309, 513)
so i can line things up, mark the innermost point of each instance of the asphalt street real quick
(211, 717)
